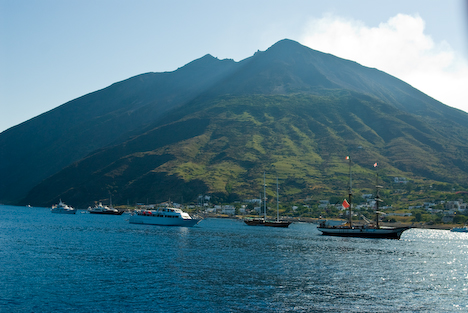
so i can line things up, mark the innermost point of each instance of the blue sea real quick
(97, 263)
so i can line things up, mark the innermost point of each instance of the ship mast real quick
(350, 195)
(264, 196)
(277, 200)
(377, 200)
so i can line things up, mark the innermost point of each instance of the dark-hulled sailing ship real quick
(366, 230)
(263, 221)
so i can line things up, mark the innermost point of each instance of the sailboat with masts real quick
(263, 221)
(366, 230)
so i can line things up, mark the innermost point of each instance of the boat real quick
(101, 209)
(264, 221)
(254, 221)
(362, 231)
(463, 229)
(164, 216)
(277, 222)
(62, 208)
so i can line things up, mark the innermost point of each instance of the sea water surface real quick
(96, 263)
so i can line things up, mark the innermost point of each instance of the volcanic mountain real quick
(214, 126)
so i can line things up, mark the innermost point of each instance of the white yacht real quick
(62, 208)
(164, 217)
(101, 209)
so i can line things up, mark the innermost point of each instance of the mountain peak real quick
(286, 43)
(291, 48)
(285, 48)
(205, 61)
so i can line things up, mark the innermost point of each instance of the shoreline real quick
(317, 220)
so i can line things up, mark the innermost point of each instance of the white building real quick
(399, 214)
(254, 201)
(324, 204)
(228, 209)
(456, 205)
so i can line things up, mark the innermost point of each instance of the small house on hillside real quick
(400, 180)
(323, 204)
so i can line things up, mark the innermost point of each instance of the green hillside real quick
(224, 145)
(44, 145)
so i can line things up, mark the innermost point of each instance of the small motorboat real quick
(463, 229)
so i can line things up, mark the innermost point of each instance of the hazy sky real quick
(53, 51)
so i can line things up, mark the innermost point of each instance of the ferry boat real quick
(101, 209)
(62, 208)
(363, 231)
(164, 217)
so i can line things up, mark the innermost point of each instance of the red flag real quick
(375, 164)
(345, 204)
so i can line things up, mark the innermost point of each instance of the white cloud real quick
(399, 47)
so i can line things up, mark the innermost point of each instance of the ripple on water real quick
(91, 263)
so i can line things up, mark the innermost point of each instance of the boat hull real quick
(385, 233)
(283, 224)
(261, 222)
(107, 213)
(163, 221)
(255, 222)
(459, 230)
(63, 211)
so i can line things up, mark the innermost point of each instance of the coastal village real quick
(437, 213)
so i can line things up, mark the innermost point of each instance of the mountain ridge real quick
(192, 162)
(383, 108)
(96, 115)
